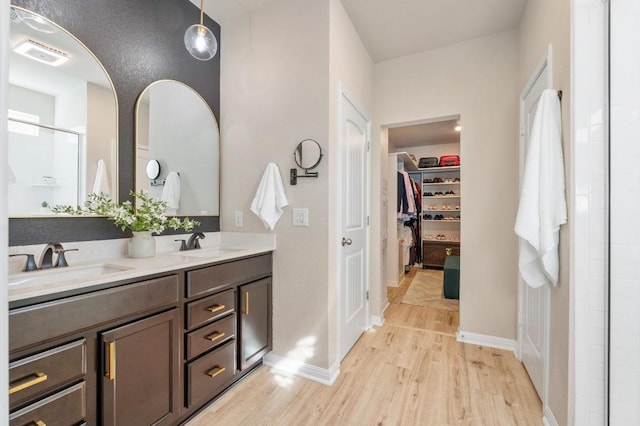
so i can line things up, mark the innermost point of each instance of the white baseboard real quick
(486, 340)
(376, 320)
(391, 283)
(298, 368)
(548, 419)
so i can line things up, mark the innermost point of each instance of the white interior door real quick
(354, 256)
(534, 302)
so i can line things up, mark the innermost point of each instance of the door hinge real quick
(368, 146)
(367, 220)
(367, 295)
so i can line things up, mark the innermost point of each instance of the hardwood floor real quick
(410, 371)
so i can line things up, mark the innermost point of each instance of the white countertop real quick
(104, 261)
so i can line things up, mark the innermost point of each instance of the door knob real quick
(346, 241)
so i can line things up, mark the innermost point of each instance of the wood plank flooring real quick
(410, 371)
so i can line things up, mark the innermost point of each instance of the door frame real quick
(545, 63)
(344, 95)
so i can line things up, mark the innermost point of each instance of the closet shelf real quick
(443, 220)
(441, 169)
(442, 183)
(440, 241)
(433, 197)
(441, 211)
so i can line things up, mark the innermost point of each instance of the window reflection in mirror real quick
(62, 119)
(176, 127)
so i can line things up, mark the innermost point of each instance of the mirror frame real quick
(157, 25)
(299, 149)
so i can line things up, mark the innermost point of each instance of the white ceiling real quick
(394, 28)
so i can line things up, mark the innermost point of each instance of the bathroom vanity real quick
(140, 346)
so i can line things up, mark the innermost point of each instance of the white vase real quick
(142, 244)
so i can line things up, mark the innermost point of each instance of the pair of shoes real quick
(438, 194)
(440, 237)
(427, 194)
(446, 207)
(438, 217)
(427, 181)
(451, 193)
(438, 180)
(448, 180)
(428, 237)
(456, 180)
(427, 217)
(457, 207)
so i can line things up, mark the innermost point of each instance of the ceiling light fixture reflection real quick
(199, 40)
(41, 53)
(457, 128)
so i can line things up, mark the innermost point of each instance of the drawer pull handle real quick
(39, 423)
(448, 251)
(111, 361)
(217, 370)
(246, 303)
(215, 308)
(215, 336)
(26, 382)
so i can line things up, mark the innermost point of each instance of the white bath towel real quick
(543, 205)
(171, 191)
(101, 182)
(270, 197)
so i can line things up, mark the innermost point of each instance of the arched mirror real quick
(176, 127)
(63, 125)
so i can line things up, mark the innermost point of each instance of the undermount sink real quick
(57, 275)
(206, 252)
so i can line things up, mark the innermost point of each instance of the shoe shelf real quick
(433, 197)
(442, 220)
(440, 169)
(440, 183)
(440, 241)
(441, 211)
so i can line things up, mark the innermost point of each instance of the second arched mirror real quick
(176, 127)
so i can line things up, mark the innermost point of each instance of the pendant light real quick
(199, 40)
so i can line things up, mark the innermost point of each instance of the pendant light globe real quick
(200, 42)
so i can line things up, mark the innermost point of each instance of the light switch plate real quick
(300, 217)
(238, 215)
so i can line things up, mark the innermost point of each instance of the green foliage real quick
(147, 216)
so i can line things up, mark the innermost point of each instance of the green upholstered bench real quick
(452, 277)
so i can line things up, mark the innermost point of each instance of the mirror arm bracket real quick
(293, 176)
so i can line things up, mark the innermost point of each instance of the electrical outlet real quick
(300, 217)
(238, 215)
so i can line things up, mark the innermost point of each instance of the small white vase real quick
(142, 244)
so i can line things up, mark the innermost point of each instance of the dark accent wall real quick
(138, 42)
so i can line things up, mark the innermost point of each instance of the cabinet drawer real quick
(67, 407)
(211, 373)
(209, 279)
(210, 308)
(210, 336)
(47, 370)
(44, 322)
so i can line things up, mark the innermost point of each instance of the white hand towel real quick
(543, 205)
(171, 191)
(270, 197)
(101, 182)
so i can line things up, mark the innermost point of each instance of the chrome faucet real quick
(194, 241)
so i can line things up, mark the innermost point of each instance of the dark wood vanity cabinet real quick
(255, 322)
(140, 371)
(435, 253)
(139, 353)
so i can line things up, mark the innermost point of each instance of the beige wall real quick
(275, 93)
(478, 80)
(547, 22)
(280, 72)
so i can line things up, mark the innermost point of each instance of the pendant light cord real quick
(201, 12)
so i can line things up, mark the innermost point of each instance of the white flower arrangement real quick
(147, 216)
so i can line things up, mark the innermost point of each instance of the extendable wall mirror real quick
(307, 156)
